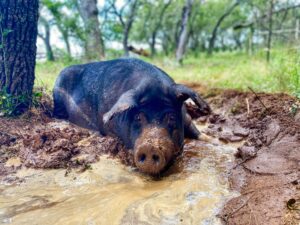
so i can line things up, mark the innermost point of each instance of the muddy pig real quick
(132, 100)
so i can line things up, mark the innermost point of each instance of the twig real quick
(258, 98)
(248, 107)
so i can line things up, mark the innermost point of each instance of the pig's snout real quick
(154, 150)
(149, 159)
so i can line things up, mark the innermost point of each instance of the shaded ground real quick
(265, 172)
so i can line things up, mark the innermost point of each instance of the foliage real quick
(148, 23)
(12, 105)
(286, 69)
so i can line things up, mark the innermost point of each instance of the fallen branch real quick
(258, 98)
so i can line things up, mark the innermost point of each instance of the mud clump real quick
(44, 142)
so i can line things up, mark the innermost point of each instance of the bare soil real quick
(266, 171)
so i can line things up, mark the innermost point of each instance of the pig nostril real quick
(155, 158)
(142, 158)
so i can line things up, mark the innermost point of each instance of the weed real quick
(12, 105)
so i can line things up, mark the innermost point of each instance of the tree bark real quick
(219, 22)
(18, 36)
(183, 35)
(94, 41)
(46, 39)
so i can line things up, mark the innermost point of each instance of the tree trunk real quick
(157, 26)
(18, 48)
(65, 37)
(46, 39)
(215, 30)
(250, 41)
(165, 44)
(128, 26)
(238, 43)
(183, 35)
(270, 33)
(94, 42)
(152, 44)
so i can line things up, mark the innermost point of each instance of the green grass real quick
(47, 72)
(223, 70)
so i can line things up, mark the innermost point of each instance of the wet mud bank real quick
(252, 139)
(266, 170)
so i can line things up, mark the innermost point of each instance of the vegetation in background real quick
(223, 70)
(219, 43)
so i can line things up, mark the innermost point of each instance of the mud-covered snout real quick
(150, 159)
(154, 150)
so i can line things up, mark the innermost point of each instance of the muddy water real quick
(111, 193)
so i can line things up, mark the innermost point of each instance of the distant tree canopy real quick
(170, 27)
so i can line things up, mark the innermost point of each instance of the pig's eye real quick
(171, 118)
(137, 118)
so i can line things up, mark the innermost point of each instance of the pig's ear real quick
(125, 102)
(183, 93)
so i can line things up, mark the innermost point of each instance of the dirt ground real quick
(266, 171)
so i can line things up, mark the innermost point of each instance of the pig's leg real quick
(190, 130)
(60, 110)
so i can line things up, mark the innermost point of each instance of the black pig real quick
(132, 100)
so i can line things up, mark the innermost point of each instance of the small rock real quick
(216, 118)
(202, 119)
(228, 137)
(246, 152)
(241, 132)
(272, 132)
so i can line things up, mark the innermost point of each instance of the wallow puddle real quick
(110, 193)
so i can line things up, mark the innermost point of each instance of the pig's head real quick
(150, 120)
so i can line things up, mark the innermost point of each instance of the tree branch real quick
(250, 23)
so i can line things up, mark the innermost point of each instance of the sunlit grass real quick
(222, 70)
(46, 73)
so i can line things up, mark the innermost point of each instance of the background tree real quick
(171, 26)
(45, 35)
(18, 49)
(216, 27)
(65, 16)
(126, 15)
(94, 45)
(183, 33)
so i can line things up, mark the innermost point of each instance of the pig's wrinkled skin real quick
(132, 100)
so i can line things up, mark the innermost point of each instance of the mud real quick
(43, 142)
(266, 170)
